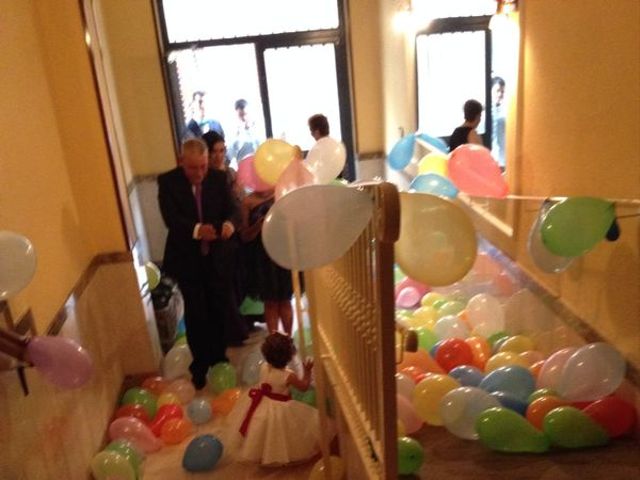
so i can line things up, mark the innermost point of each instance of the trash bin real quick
(168, 306)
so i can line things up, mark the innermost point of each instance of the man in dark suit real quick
(197, 204)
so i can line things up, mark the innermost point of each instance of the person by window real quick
(246, 138)
(199, 123)
(466, 133)
(498, 114)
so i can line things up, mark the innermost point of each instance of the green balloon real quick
(341, 182)
(426, 338)
(308, 397)
(153, 274)
(495, 337)
(140, 396)
(221, 377)
(542, 392)
(251, 306)
(107, 464)
(569, 427)
(574, 226)
(438, 304)
(398, 274)
(410, 456)
(308, 341)
(504, 430)
(128, 451)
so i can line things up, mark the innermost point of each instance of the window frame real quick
(459, 25)
(338, 37)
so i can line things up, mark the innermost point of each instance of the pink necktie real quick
(204, 245)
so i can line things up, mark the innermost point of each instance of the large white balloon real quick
(17, 263)
(176, 362)
(315, 225)
(326, 159)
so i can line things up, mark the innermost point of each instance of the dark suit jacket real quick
(182, 256)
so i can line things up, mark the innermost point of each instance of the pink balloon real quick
(183, 389)
(62, 361)
(410, 282)
(474, 171)
(412, 422)
(248, 177)
(296, 175)
(132, 429)
(408, 297)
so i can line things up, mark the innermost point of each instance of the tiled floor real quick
(166, 464)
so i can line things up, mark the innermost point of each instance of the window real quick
(287, 59)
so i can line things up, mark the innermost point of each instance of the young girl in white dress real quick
(267, 426)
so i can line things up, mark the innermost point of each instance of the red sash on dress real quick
(256, 395)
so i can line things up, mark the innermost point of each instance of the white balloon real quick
(326, 159)
(541, 256)
(176, 362)
(315, 225)
(450, 326)
(485, 314)
(17, 263)
(404, 385)
(460, 408)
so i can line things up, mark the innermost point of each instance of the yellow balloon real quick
(337, 469)
(272, 158)
(433, 163)
(427, 396)
(437, 243)
(504, 359)
(430, 298)
(422, 317)
(517, 344)
(168, 398)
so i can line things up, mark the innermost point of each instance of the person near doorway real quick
(265, 280)
(498, 115)
(197, 207)
(466, 133)
(198, 123)
(246, 140)
(318, 126)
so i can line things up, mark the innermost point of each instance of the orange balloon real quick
(480, 349)
(536, 367)
(537, 409)
(176, 430)
(223, 403)
(420, 359)
(155, 385)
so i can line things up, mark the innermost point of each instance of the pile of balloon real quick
(164, 410)
(484, 383)
(278, 165)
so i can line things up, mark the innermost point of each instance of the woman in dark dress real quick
(264, 278)
(466, 133)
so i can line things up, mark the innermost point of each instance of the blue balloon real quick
(402, 152)
(202, 454)
(511, 402)
(181, 328)
(199, 411)
(516, 380)
(434, 142)
(467, 375)
(435, 348)
(434, 184)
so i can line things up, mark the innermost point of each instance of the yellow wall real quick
(580, 136)
(367, 75)
(133, 51)
(55, 182)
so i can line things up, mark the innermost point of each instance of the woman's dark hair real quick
(211, 138)
(472, 108)
(278, 350)
(319, 122)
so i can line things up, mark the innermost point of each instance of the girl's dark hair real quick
(278, 350)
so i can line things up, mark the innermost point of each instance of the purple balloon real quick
(60, 360)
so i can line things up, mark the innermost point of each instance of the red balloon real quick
(133, 410)
(454, 352)
(165, 413)
(615, 415)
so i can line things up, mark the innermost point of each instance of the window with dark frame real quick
(287, 59)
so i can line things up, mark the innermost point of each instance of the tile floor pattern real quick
(166, 464)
